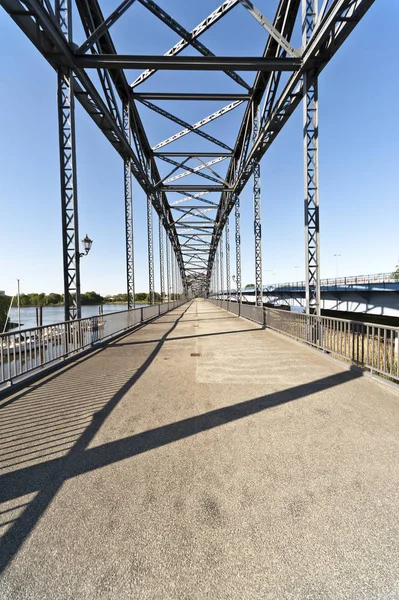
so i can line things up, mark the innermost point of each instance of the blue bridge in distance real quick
(368, 294)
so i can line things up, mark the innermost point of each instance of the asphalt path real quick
(200, 457)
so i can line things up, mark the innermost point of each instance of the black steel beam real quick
(191, 188)
(193, 154)
(187, 63)
(185, 96)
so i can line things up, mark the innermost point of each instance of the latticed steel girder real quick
(216, 177)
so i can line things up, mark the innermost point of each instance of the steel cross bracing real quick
(228, 277)
(69, 202)
(115, 106)
(150, 240)
(128, 214)
(161, 261)
(257, 223)
(310, 151)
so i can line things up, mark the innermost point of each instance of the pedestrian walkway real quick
(200, 457)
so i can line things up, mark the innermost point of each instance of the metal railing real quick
(251, 312)
(374, 347)
(353, 280)
(32, 349)
(342, 282)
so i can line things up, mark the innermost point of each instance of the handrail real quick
(368, 345)
(34, 348)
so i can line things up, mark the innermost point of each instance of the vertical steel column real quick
(213, 280)
(311, 175)
(221, 266)
(167, 267)
(150, 243)
(128, 213)
(69, 197)
(228, 280)
(161, 260)
(257, 222)
(217, 274)
(238, 248)
(173, 273)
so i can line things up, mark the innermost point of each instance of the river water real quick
(55, 314)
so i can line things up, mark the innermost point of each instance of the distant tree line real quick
(87, 298)
(41, 299)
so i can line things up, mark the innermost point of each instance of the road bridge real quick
(367, 294)
(201, 456)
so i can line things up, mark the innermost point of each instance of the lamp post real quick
(87, 243)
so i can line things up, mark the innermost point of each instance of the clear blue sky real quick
(359, 155)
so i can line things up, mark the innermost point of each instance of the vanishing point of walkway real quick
(200, 457)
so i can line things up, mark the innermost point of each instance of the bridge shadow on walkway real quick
(192, 409)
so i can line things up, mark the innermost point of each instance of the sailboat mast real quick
(19, 309)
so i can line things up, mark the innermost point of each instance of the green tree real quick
(249, 285)
(141, 297)
(4, 305)
(91, 298)
(395, 274)
(54, 298)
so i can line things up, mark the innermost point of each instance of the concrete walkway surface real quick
(200, 457)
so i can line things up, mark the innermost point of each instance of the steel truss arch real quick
(193, 229)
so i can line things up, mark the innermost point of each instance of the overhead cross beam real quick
(187, 63)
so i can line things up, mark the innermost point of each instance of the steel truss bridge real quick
(195, 259)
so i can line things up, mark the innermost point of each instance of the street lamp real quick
(87, 243)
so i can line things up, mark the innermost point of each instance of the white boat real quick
(20, 344)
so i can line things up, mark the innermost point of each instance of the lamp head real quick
(87, 243)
